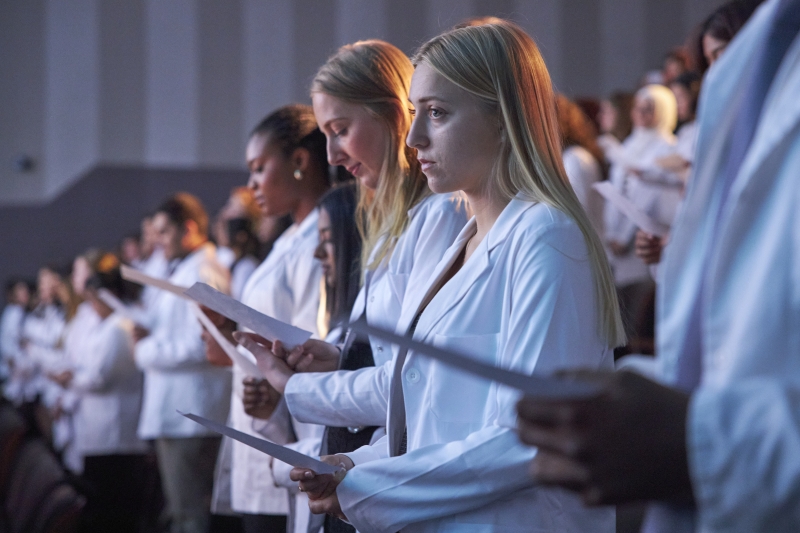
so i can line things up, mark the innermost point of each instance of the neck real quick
(192, 245)
(487, 208)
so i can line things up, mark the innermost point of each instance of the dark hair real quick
(340, 204)
(242, 238)
(623, 103)
(11, 284)
(182, 207)
(107, 276)
(294, 126)
(477, 21)
(691, 82)
(723, 24)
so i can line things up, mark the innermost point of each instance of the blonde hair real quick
(377, 75)
(500, 64)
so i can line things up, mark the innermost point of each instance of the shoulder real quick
(438, 206)
(544, 227)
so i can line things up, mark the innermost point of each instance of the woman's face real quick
(357, 139)
(456, 137)
(643, 114)
(81, 271)
(47, 286)
(326, 251)
(607, 116)
(271, 176)
(684, 101)
(713, 48)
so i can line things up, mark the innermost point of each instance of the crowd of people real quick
(450, 198)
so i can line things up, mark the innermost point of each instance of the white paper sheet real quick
(532, 385)
(636, 215)
(277, 451)
(136, 276)
(249, 367)
(266, 326)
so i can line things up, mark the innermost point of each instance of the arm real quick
(172, 348)
(342, 398)
(113, 359)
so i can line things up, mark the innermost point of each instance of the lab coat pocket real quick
(457, 396)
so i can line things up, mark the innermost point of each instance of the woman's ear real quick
(301, 159)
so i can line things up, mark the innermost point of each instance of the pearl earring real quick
(297, 174)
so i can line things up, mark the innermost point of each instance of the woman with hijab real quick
(654, 116)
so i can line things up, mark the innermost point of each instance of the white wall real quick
(180, 83)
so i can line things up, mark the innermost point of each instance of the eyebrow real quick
(428, 99)
(328, 123)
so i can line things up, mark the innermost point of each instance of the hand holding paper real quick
(266, 326)
(551, 387)
(277, 451)
(238, 359)
(273, 368)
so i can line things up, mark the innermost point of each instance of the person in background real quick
(109, 390)
(676, 63)
(152, 261)
(244, 243)
(18, 299)
(654, 116)
(614, 118)
(177, 375)
(712, 36)
(241, 204)
(75, 349)
(130, 251)
(583, 159)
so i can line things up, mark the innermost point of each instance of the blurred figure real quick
(130, 250)
(676, 63)
(614, 118)
(177, 375)
(18, 298)
(242, 205)
(654, 117)
(244, 244)
(582, 158)
(713, 35)
(109, 390)
(152, 260)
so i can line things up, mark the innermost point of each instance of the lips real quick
(426, 164)
(353, 169)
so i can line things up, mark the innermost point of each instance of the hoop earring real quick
(298, 175)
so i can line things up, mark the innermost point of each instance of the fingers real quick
(554, 469)
(295, 356)
(278, 350)
(254, 338)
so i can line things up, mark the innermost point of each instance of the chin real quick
(441, 186)
(370, 182)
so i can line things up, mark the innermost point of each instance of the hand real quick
(214, 352)
(617, 248)
(626, 444)
(648, 247)
(140, 332)
(312, 356)
(259, 398)
(321, 488)
(63, 378)
(274, 368)
(221, 321)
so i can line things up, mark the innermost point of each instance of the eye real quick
(258, 169)
(341, 132)
(412, 111)
(435, 112)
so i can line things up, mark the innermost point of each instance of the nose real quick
(416, 137)
(336, 156)
(319, 252)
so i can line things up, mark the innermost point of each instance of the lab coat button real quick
(380, 348)
(412, 375)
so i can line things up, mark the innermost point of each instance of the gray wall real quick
(178, 83)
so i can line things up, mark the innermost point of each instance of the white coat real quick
(524, 301)
(11, 352)
(583, 171)
(110, 390)
(286, 287)
(43, 333)
(358, 398)
(640, 150)
(744, 420)
(177, 375)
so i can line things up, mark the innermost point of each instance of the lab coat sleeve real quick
(307, 444)
(113, 354)
(176, 348)
(543, 334)
(342, 398)
(744, 441)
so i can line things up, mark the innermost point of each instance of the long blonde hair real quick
(377, 75)
(500, 64)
